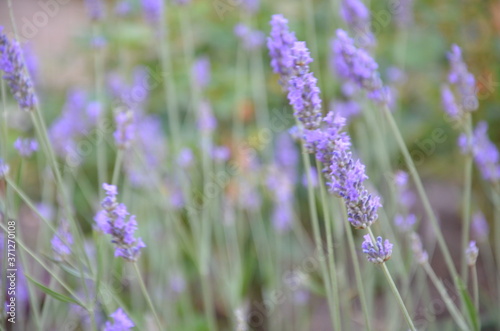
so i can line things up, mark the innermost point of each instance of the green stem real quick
(394, 288)
(146, 295)
(355, 262)
(337, 325)
(118, 164)
(423, 197)
(475, 287)
(452, 308)
(466, 201)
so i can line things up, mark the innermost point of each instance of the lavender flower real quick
(303, 92)
(251, 6)
(62, 242)
(121, 322)
(480, 227)
(112, 220)
(417, 248)
(357, 65)
(221, 153)
(464, 81)
(378, 253)
(153, 10)
(485, 153)
(177, 283)
(26, 147)
(201, 71)
(287, 156)
(449, 103)
(405, 223)
(314, 177)
(206, 119)
(471, 253)
(95, 9)
(251, 39)
(185, 158)
(125, 129)
(15, 73)
(4, 169)
(282, 189)
(347, 109)
(357, 17)
(280, 45)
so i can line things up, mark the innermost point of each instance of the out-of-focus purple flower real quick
(26, 147)
(303, 92)
(464, 81)
(251, 39)
(153, 10)
(357, 65)
(471, 253)
(4, 169)
(357, 17)
(287, 156)
(282, 189)
(31, 61)
(15, 73)
(401, 179)
(206, 119)
(280, 45)
(406, 197)
(485, 153)
(201, 71)
(98, 42)
(346, 108)
(416, 245)
(405, 222)
(95, 9)
(185, 158)
(121, 322)
(62, 242)
(252, 6)
(282, 217)
(379, 252)
(221, 153)
(177, 283)
(314, 177)
(94, 109)
(395, 75)
(123, 8)
(480, 227)
(448, 101)
(115, 220)
(45, 210)
(125, 129)
(403, 15)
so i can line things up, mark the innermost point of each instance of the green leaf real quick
(469, 305)
(55, 295)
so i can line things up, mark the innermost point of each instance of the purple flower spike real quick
(357, 17)
(15, 73)
(121, 322)
(62, 242)
(405, 223)
(280, 45)
(201, 72)
(251, 39)
(471, 253)
(480, 227)
(153, 9)
(26, 147)
(125, 129)
(303, 92)
(463, 80)
(115, 220)
(418, 250)
(485, 153)
(449, 103)
(378, 253)
(357, 65)
(95, 9)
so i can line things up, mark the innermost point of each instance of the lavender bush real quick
(249, 165)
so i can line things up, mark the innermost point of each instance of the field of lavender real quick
(194, 165)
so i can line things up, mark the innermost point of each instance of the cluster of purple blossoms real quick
(357, 17)
(26, 147)
(280, 45)
(358, 66)
(463, 81)
(416, 245)
(200, 72)
(95, 9)
(479, 226)
(221, 154)
(471, 254)
(112, 219)
(121, 322)
(4, 169)
(281, 188)
(303, 92)
(125, 129)
(207, 122)
(485, 153)
(62, 242)
(405, 223)
(251, 39)
(153, 10)
(379, 252)
(15, 73)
